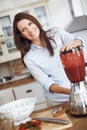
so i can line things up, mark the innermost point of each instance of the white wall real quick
(60, 13)
(84, 6)
(77, 11)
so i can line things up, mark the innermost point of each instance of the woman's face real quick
(28, 29)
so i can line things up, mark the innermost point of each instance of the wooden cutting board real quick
(53, 126)
(50, 126)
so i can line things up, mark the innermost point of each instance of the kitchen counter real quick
(17, 83)
(79, 123)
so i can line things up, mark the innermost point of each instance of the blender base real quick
(78, 99)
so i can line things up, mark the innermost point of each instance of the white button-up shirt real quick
(48, 70)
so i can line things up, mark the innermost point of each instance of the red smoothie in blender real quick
(73, 62)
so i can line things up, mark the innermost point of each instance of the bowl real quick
(18, 111)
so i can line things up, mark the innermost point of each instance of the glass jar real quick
(73, 62)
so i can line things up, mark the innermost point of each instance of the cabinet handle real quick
(28, 91)
(2, 40)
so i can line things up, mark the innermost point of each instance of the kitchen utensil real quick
(47, 113)
(53, 120)
(74, 65)
(57, 111)
(18, 111)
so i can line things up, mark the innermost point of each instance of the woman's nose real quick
(29, 29)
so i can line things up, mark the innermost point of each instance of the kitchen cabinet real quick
(2, 54)
(2, 50)
(41, 12)
(8, 50)
(6, 96)
(31, 90)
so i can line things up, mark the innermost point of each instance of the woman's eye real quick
(29, 23)
(23, 30)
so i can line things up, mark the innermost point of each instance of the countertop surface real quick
(79, 123)
(17, 83)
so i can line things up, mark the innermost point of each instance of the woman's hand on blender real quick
(68, 46)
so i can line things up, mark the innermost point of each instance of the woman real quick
(40, 53)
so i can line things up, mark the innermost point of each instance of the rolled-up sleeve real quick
(38, 74)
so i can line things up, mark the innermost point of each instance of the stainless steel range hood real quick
(78, 23)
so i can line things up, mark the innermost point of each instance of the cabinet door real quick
(10, 48)
(2, 54)
(41, 13)
(6, 96)
(2, 51)
(31, 90)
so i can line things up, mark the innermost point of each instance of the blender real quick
(74, 66)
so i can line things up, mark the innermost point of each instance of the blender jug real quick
(74, 66)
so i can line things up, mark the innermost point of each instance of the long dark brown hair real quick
(24, 44)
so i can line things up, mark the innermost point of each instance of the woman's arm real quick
(58, 89)
(45, 81)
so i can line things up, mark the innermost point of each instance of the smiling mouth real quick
(32, 34)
